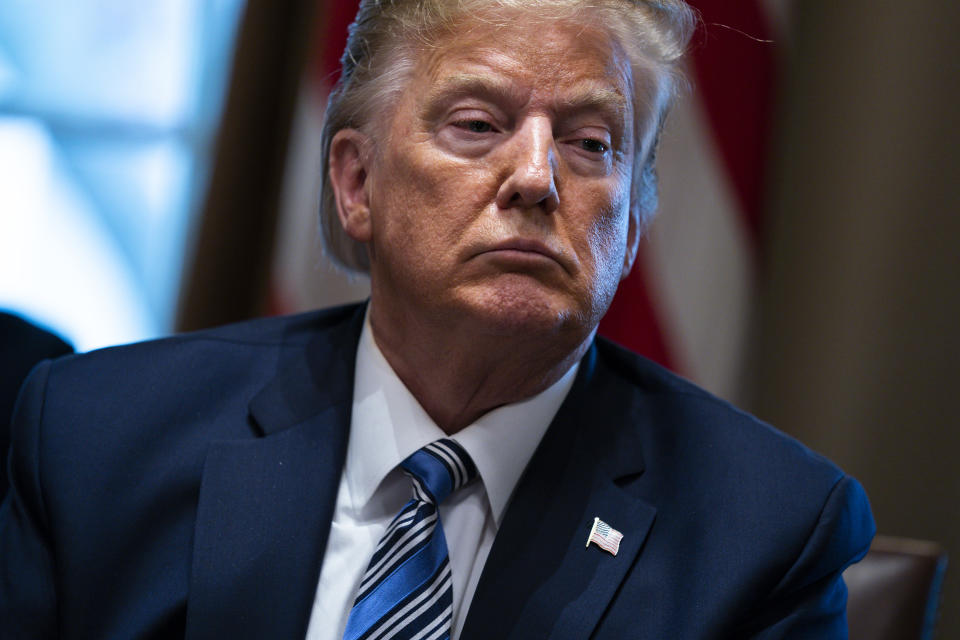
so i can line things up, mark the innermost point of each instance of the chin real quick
(525, 309)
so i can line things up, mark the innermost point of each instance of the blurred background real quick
(159, 169)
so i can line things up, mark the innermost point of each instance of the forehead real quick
(564, 60)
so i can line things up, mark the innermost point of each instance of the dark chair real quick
(894, 592)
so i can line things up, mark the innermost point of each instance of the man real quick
(491, 165)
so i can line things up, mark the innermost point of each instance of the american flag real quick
(605, 536)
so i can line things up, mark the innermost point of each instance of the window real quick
(108, 109)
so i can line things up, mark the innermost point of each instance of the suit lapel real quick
(540, 581)
(266, 503)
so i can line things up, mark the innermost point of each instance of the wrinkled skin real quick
(495, 205)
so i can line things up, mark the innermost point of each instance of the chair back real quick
(894, 592)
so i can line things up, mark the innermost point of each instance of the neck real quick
(458, 372)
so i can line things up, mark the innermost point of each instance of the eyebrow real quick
(592, 98)
(611, 104)
(461, 85)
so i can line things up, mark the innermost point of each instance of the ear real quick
(349, 177)
(634, 231)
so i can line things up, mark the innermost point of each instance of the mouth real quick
(521, 252)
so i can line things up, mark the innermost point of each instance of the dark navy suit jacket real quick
(186, 486)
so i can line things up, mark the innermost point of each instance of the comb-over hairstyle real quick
(387, 37)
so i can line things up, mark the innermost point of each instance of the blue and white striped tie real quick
(407, 592)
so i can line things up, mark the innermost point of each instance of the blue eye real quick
(593, 146)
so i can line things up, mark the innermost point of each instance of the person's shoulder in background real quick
(22, 345)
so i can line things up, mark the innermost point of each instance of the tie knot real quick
(439, 469)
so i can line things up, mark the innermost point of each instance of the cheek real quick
(402, 206)
(425, 204)
(607, 239)
(608, 243)
(608, 230)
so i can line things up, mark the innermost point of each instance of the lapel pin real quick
(605, 537)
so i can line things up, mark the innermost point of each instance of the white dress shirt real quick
(386, 426)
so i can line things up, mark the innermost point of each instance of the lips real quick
(519, 244)
(522, 249)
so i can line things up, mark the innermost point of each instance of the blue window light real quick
(108, 110)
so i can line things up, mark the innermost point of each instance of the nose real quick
(531, 178)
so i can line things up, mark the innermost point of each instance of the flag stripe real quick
(634, 321)
(331, 36)
(734, 67)
(733, 73)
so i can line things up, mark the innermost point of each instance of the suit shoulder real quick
(213, 372)
(295, 328)
(227, 343)
(656, 379)
(712, 432)
(716, 473)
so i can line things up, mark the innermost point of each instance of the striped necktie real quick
(407, 590)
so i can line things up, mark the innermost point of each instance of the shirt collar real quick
(388, 424)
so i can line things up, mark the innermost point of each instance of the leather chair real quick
(894, 592)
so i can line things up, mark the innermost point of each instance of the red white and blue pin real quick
(605, 537)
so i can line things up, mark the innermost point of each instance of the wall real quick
(859, 354)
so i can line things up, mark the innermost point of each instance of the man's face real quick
(500, 189)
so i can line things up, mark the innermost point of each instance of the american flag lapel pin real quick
(605, 537)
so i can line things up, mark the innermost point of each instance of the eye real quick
(469, 132)
(475, 126)
(593, 146)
